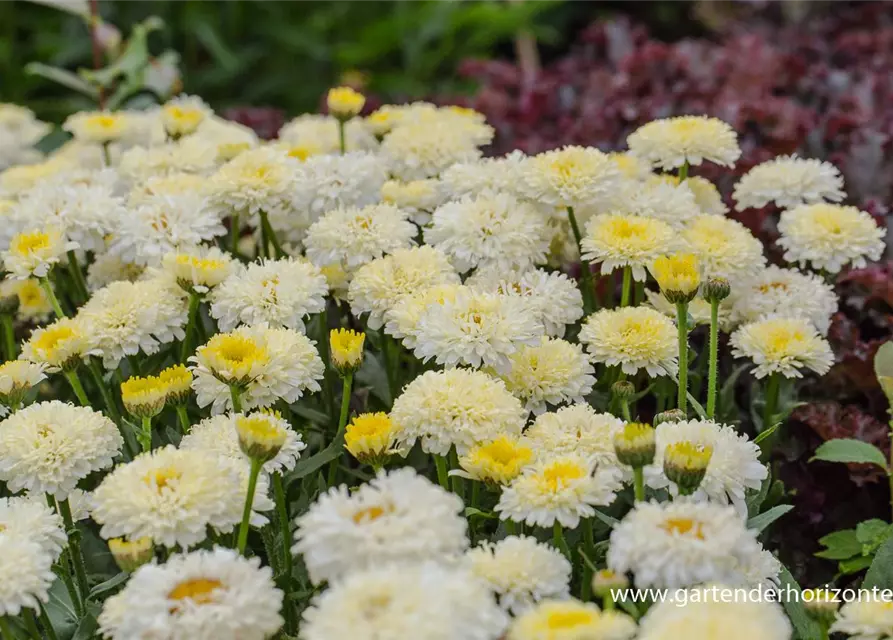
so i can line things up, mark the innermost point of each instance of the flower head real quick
(782, 345)
(130, 555)
(678, 276)
(576, 429)
(496, 462)
(865, 619)
(344, 103)
(570, 177)
(144, 397)
(633, 338)
(617, 240)
(724, 248)
(346, 346)
(99, 127)
(26, 574)
(789, 181)
(59, 346)
(17, 377)
(635, 444)
(370, 438)
(32, 254)
(177, 380)
(673, 142)
(198, 271)
(261, 435)
(183, 115)
(569, 620)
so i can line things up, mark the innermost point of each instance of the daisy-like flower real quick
(177, 380)
(403, 319)
(666, 200)
(354, 237)
(782, 345)
(193, 155)
(107, 268)
(521, 571)
(370, 438)
(279, 293)
(99, 127)
(789, 181)
(198, 270)
(119, 323)
(784, 292)
(20, 130)
(174, 184)
(32, 254)
(34, 305)
(707, 614)
(490, 230)
(707, 197)
(218, 435)
(49, 446)
(405, 603)
(17, 180)
(865, 619)
(344, 102)
(552, 297)
(26, 573)
(680, 544)
(476, 329)
(379, 285)
(725, 248)
(734, 465)
(674, 142)
(313, 134)
(17, 377)
(417, 197)
(577, 429)
(171, 496)
(60, 346)
(496, 462)
(456, 407)
(182, 115)
(398, 517)
(571, 619)
(570, 177)
(561, 488)
(616, 241)
(264, 364)
(425, 149)
(553, 372)
(207, 594)
(633, 338)
(499, 175)
(256, 180)
(630, 166)
(830, 236)
(29, 518)
(346, 349)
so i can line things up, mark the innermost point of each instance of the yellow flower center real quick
(684, 527)
(370, 514)
(138, 390)
(234, 353)
(199, 590)
(177, 379)
(369, 433)
(561, 474)
(677, 273)
(50, 340)
(161, 478)
(30, 294)
(773, 286)
(347, 347)
(260, 428)
(568, 619)
(829, 220)
(28, 243)
(782, 340)
(688, 455)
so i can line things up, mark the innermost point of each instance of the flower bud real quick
(370, 437)
(671, 415)
(261, 435)
(143, 397)
(606, 582)
(821, 604)
(346, 347)
(130, 555)
(17, 377)
(685, 463)
(344, 103)
(635, 444)
(179, 383)
(623, 390)
(678, 277)
(716, 289)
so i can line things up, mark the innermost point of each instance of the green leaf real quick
(315, 462)
(62, 76)
(86, 628)
(872, 532)
(109, 584)
(760, 522)
(855, 565)
(471, 511)
(755, 498)
(310, 414)
(765, 434)
(840, 545)
(608, 520)
(805, 627)
(880, 573)
(850, 450)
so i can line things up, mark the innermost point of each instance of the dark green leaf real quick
(760, 522)
(804, 626)
(471, 511)
(109, 584)
(62, 76)
(608, 520)
(850, 450)
(755, 499)
(765, 434)
(840, 545)
(880, 573)
(871, 532)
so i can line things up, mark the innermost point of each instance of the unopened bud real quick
(130, 555)
(606, 581)
(716, 289)
(635, 444)
(821, 604)
(685, 463)
(671, 415)
(261, 434)
(346, 347)
(623, 389)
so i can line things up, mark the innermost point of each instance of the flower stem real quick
(342, 140)
(285, 530)
(713, 358)
(145, 436)
(639, 484)
(234, 233)
(342, 425)
(585, 274)
(74, 546)
(772, 387)
(74, 268)
(236, 396)
(458, 485)
(443, 476)
(51, 296)
(624, 410)
(627, 286)
(386, 356)
(683, 172)
(183, 417)
(186, 347)
(47, 624)
(589, 545)
(30, 623)
(682, 322)
(270, 234)
(10, 348)
(106, 155)
(323, 344)
(249, 501)
(559, 542)
(75, 381)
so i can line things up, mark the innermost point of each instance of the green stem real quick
(235, 395)
(183, 417)
(342, 140)
(624, 410)
(627, 286)
(106, 155)
(30, 624)
(443, 476)
(347, 384)
(47, 624)
(713, 358)
(75, 381)
(559, 542)
(585, 273)
(186, 347)
(285, 530)
(323, 344)
(589, 545)
(5, 630)
(74, 546)
(682, 325)
(683, 172)
(475, 493)
(639, 484)
(456, 481)
(10, 348)
(74, 268)
(51, 296)
(267, 229)
(104, 391)
(386, 356)
(234, 233)
(145, 436)
(249, 501)
(773, 385)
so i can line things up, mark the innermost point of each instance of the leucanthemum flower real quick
(672, 142)
(417, 197)
(26, 573)
(725, 248)
(265, 364)
(182, 115)
(31, 254)
(658, 198)
(59, 346)
(427, 601)
(455, 407)
(521, 571)
(865, 619)
(356, 236)
(681, 544)
(171, 496)
(279, 293)
(499, 175)
(256, 180)
(34, 306)
(570, 177)
(552, 372)
(830, 236)
(476, 329)
(784, 292)
(423, 150)
(198, 270)
(49, 447)
(490, 230)
(328, 182)
(707, 196)
(17, 377)
(562, 488)
(571, 620)
(403, 319)
(192, 155)
(398, 517)
(789, 181)
(632, 338)
(29, 518)
(99, 127)
(498, 461)
(782, 345)
(576, 429)
(107, 268)
(379, 285)
(370, 438)
(319, 133)
(616, 241)
(630, 166)
(206, 595)
(734, 465)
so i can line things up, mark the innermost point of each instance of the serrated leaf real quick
(872, 531)
(760, 522)
(850, 450)
(840, 545)
(880, 573)
(805, 627)
(855, 565)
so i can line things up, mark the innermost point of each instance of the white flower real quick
(618, 241)
(673, 142)
(521, 571)
(256, 180)
(325, 183)
(576, 429)
(312, 134)
(100, 127)
(789, 181)
(353, 237)
(424, 150)
(29, 518)
(402, 320)
(490, 230)
(659, 197)
(562, 488)
(830, 236)
(107, 268)
(734, 465)
(20, 130)
(456, 407)
(405, 603)
(199, 270)
(571, 620)
(476, 329)
(171, 496)
(417, 197)
(17, 377)
(26, 573)
(203, 595)
(279, 293)
(49, 446)
(553, 372)
(398, 517)
(865, 619)
(570, 177)
(58, 346)
(184, 114)
(192, 155)
(499, 175)
(682, 543)
(633, 338)
(725, 248)
(31, 254)
(782, 345)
